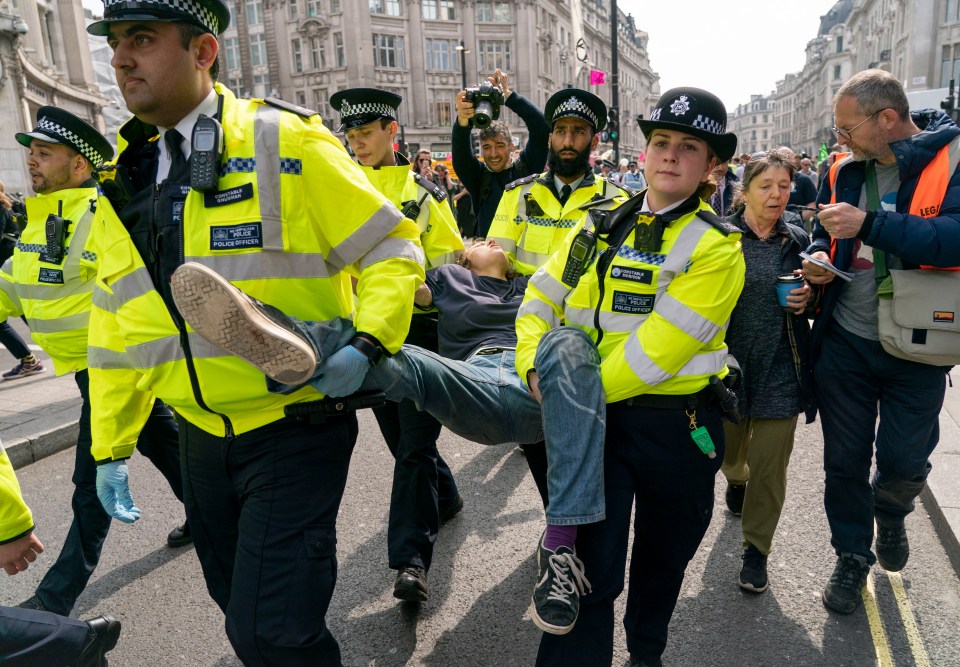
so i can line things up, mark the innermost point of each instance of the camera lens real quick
(483, 114)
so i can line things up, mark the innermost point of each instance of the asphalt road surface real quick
(484, 571)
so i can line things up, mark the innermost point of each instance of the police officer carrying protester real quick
(424, 492)
(486, 180)
(652, 285)
(264, 194)
(537, 212)
(49, 280)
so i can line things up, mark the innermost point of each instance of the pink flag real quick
(597, 77)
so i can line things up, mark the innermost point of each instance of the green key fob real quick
(703, 440)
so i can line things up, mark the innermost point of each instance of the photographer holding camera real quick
(480, 106)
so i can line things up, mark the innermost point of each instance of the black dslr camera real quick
(487, 100)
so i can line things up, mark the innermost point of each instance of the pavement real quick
(39, 416)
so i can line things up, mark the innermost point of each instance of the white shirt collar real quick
(559, 184)
(208, 107)
(666, 209)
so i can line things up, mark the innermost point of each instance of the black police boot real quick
(411, 584)
(180, 536)
(103, 636)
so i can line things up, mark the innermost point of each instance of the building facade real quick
(305, 50)
(753, 123)
(44, 59)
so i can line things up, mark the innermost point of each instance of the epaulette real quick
(626, 188)
(521, 181)
(715, 220)
(435, 190)
(291, 107)
(596, 201)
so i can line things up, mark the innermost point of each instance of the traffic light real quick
(613, 124)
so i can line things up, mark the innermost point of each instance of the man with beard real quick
(537, 212)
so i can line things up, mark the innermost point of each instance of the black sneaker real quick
(33, 602)
(842, 593)
(556, 597)
(753, 574)
(893, 548)
(735, 495)
(231, 320)
(103, 636)
(411, 584)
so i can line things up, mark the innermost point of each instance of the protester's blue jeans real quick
(483, 399)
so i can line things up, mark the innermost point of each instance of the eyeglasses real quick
(845, 134)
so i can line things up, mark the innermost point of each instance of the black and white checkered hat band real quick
(367, 108)
(709, 124)
(573, 106)
(195, 8)
(54, 129)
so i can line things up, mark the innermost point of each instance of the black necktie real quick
(565, 194)
(179, 169)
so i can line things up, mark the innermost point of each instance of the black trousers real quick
(423, 485)
(30, 638)
(158, 441)
(263, 510)
(650, 461)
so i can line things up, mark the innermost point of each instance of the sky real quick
(734, 48)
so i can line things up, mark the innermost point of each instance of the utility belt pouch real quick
(917, 315)
(318, 412)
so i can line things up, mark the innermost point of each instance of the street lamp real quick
(463, 64)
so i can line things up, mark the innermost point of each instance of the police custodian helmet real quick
(694, 111)
(56, 126)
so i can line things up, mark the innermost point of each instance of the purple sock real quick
(560, 536)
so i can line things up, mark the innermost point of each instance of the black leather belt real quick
(494, 350)
(665, 402)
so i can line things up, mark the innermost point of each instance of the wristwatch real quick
(372, 351)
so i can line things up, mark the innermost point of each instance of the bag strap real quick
(873, 204)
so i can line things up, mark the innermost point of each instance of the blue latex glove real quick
(113, 490)
(343, 373)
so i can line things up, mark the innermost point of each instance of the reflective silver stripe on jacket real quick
(609, 322)
(128, 287)
(74, 322)
(392, 248)
(551, 288)
(165, 350)
(702, 363)
(266, 142)
(539, 309)
(532, 258)
(686, 319)
(53, 292)
(507, 245)
(71, 265)
(378, 226)
(265, 265)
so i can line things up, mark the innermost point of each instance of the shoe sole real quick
(25, 374)
(845, 612)
(747, 586)
(221, 314)
(891, 568)
(539, 622)
(410, 594)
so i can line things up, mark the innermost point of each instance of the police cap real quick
(211, 15)
(56, 126)
(576, 103)
(693, 111)
(359, 106)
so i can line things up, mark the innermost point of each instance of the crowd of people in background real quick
(600, 293)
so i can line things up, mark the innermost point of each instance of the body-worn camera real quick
(487, 100)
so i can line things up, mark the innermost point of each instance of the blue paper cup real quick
(786, 283)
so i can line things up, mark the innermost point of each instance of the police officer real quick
(424, 491)
(49, 280)
(264, 194)
(537, 212)
(652, 285)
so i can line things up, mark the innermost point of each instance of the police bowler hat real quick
(693, 111)
(56, 126)
(210, 15)
(359, 106)
(576, 103)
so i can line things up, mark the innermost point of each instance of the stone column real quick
(73, 32)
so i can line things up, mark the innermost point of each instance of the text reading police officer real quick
(285, 214)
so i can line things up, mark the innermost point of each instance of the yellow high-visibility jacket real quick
(55, 298)
(530, 224)
(317, 221)
(664, 314)
(439, 234)
(15, 518)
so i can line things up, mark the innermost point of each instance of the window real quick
(301, 98)
(254, 12)
(235, 84)
(231, 52)
(318, 54)
(258, 49)
(439, 9)
(293, 12)
(836, 72)
(839, 43)
(320, 102)
(951, 11)
(334, 6)
(442, 54)
(440, 107)
(388, 51)
(388, 7)
(338, 48)
(766, 118)
(296, 56)
(261, 85)
(945, 67)
(493, 11)
(493, 54)
(313, 7)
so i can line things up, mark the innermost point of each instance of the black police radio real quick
(206, 151)
(582, 250)
(56, 233)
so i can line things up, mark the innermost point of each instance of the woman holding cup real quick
(768, 335)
